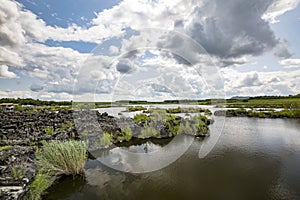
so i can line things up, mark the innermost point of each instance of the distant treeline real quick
(276, 97)
(35, 102)
(263, 98)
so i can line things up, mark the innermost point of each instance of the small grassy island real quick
(260, 113)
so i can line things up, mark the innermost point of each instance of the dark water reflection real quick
(253, 159)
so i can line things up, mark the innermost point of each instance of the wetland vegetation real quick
(46, 134)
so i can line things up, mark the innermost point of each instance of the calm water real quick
(251, 159)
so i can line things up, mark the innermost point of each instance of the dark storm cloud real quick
(232, 28)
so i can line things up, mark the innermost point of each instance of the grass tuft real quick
(126, 135)
(38, 187)
(148, 131)
(106, 140)
(18, 171)
(49, 130)
(141, 118)
(66, 126)
(62, 157)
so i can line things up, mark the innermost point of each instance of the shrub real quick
(202, 128)
(141, 118)
(106, 139)
(126, 134)
(207, 112)
(135, 108)
(172, 123)
(62, 157)
(202, 118)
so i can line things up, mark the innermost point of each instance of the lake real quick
(250, 159)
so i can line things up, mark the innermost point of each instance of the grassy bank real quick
(292, 102)
(54, 159)
(286, 113)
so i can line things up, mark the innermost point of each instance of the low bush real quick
(126, 134)
(135, 108)
(141, 118)
(172, 123)
(202, 128)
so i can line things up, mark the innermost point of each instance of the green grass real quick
(60, 158)
(158, 114)
(49, 130)
(199, 124)
(66, 126)
(126, 135)
(40, 184)
(286, 113)
(18, 171)
(4, 148)
(186, 128)
(187, 110)
(148, 131)
(135, 108)
(141, 118)
(106, 139)
(202, 128)
(172, 123)
(284, 102)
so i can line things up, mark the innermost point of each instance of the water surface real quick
(252, 159)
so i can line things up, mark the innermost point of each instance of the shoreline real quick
(23, 133)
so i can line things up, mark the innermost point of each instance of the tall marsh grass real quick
(60, 158)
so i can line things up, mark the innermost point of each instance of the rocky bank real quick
(21, 133)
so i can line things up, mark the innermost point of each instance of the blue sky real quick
(142, 49)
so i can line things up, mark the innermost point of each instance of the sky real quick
(107, 50)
